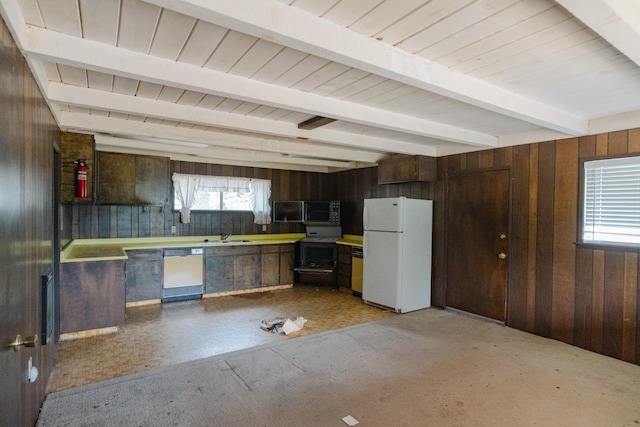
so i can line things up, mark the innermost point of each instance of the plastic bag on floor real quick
(282, 325)
(295, 325)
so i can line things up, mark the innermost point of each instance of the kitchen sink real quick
(227, 241)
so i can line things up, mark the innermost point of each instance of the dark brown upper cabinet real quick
(126, 179)
(400, 169)
(74, 147)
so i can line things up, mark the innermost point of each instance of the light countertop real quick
(350, 240)
(114, 249)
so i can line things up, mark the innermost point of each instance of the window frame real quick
(598, 245)
(222, 193)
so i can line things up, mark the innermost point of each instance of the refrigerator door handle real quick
(365, 217)
(364, 245)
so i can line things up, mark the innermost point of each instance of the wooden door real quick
(477, 243)
(13, 306)
(12, 323)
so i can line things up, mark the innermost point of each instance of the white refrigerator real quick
(397, 253)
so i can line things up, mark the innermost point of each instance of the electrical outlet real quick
(264, 227)
(173, 229)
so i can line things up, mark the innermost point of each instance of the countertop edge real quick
(124, 244)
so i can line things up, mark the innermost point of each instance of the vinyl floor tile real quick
(165, 334)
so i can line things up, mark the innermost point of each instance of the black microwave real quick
(322, 212)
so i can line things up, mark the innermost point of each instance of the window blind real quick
(612, 201)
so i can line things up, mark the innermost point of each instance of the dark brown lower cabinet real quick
(218, 273)
(344, 266)
(246, 269)
(234, 268)
(231, 268)
(92, 295)
(287, 262)
(143, 275)
(270, 265)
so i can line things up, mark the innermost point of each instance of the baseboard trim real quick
(247, 291)
(88, 333)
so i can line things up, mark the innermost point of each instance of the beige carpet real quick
(428, 368)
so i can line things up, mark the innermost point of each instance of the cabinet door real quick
(152, 180)
(246, 272)
(116, 179)
(75, 146)
(287, 262)
(218, 274)
(344, 266)
(270, 265)
(143, 275)
(91, 295)
(143, 280)
(398, 169)
(407, 169)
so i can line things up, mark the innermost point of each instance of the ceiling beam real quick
(286, 25)
(626, 120)
(212, 159)
(96, 99)
(220, 153)
(250, 145)
(73, 51)
(616, 21)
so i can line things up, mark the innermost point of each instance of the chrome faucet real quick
(224, 236)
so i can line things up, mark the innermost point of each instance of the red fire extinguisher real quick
(81, 179)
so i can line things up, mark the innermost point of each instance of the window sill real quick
(603, 246)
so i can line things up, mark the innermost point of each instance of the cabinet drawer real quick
(225, 249)
(269, 249)
(145, 254)
(289, 247)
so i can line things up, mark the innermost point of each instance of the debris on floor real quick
(293, 325)
(350, 421)
(273, 325)
(281, 325)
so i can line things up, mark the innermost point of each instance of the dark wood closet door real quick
(477, 243)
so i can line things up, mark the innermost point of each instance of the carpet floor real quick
(427, 368)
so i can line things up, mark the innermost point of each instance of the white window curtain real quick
(261, 193)
(188, 185)
(185, 186)
(224, 183)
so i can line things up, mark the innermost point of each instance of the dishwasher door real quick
(183, 274)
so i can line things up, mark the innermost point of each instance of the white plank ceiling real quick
(228, 81)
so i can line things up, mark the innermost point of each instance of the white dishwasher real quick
(183, 273)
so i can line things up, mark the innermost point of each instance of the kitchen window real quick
(611, 202)
(218, 201)
(221, 193)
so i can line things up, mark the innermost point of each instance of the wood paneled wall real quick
(29, 133)
(581, 295)
(137, 221)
